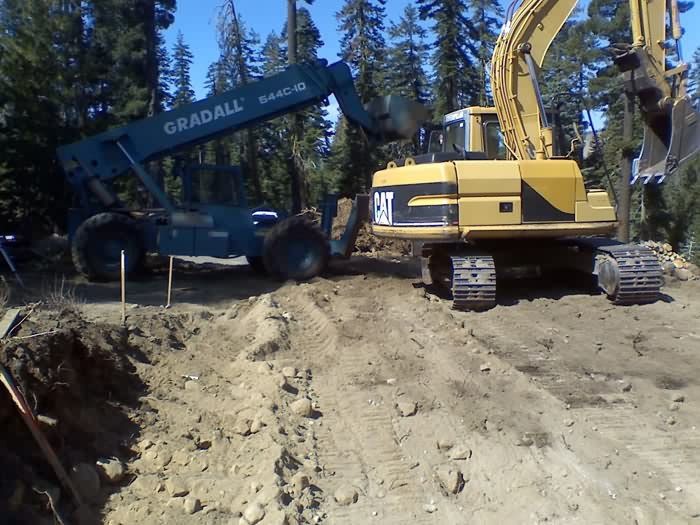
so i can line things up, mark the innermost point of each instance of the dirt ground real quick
(361, 397)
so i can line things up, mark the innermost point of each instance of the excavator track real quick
(629, 273)
(473, 282)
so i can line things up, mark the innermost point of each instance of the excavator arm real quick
(672, 126)
(518, 56)
(672, 130)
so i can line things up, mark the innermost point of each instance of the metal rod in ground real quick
(123, 265)
(9, 262)
(27, 415)
(170, 281)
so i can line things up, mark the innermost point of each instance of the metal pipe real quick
(146, 179)
(636, 23)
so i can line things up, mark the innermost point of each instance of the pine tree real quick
(274, 150)
(407, 56)
(566, 73)
(609, 23)
(39, 87)
(240, 60)
(455, 74)
(136, 71)
(216, 81)
(694, 77)
(363, 48)
(362, 45)
(180, 74)
(297, 171)
(310, 130)
(485, 20)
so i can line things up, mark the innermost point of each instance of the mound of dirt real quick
(367, 243)
(227, 426)
(77, 378)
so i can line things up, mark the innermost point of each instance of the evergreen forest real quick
(72, 68)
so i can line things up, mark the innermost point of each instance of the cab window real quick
(213, 187)
(495, 146)
(456, 136)
(436, 141)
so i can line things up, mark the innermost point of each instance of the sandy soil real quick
(363, 398)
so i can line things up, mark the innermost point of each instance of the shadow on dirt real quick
(552, 285)
(78, 378)
(208, 286)
(402, 267)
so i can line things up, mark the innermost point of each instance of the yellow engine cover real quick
(487, 199)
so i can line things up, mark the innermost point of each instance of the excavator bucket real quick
(398, 117)
(671, 138)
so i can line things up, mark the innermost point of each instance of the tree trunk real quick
(151, 36)
(251, 139)
(295, 167)
(152, 69)
(625, 189)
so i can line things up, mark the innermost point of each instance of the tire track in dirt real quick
(356, 442)
(675, 455)
(602, 404)
(517, 336)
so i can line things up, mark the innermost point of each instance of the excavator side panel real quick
(489, 193)
(549, 190)
(416, 201)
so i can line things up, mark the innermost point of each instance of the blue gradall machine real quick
(214, 218)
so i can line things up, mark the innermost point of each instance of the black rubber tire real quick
(98, 242)
(296, 249)
(257, 264)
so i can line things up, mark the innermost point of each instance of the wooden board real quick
(8, 321)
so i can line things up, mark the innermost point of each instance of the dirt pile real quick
(226, 427)
(79, 381)
(673, 263)
(367, 243)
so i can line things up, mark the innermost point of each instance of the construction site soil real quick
(359, 397)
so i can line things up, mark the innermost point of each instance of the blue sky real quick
(197, 20)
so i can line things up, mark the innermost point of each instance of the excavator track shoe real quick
(473, 282)
(629, 274)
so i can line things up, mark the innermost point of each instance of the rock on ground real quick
(346, 495)
(176, 488)
(460, 452)
(192, 505)
(254, 513)
(407, 408)
(111, 470)
(451, 479)
(289, 371)
(299, 482)
(302, 407)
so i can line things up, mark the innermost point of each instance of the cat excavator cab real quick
(498, 196)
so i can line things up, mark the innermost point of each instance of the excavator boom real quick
(672, 127)
(520, 50)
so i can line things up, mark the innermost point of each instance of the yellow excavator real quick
(496, 198)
